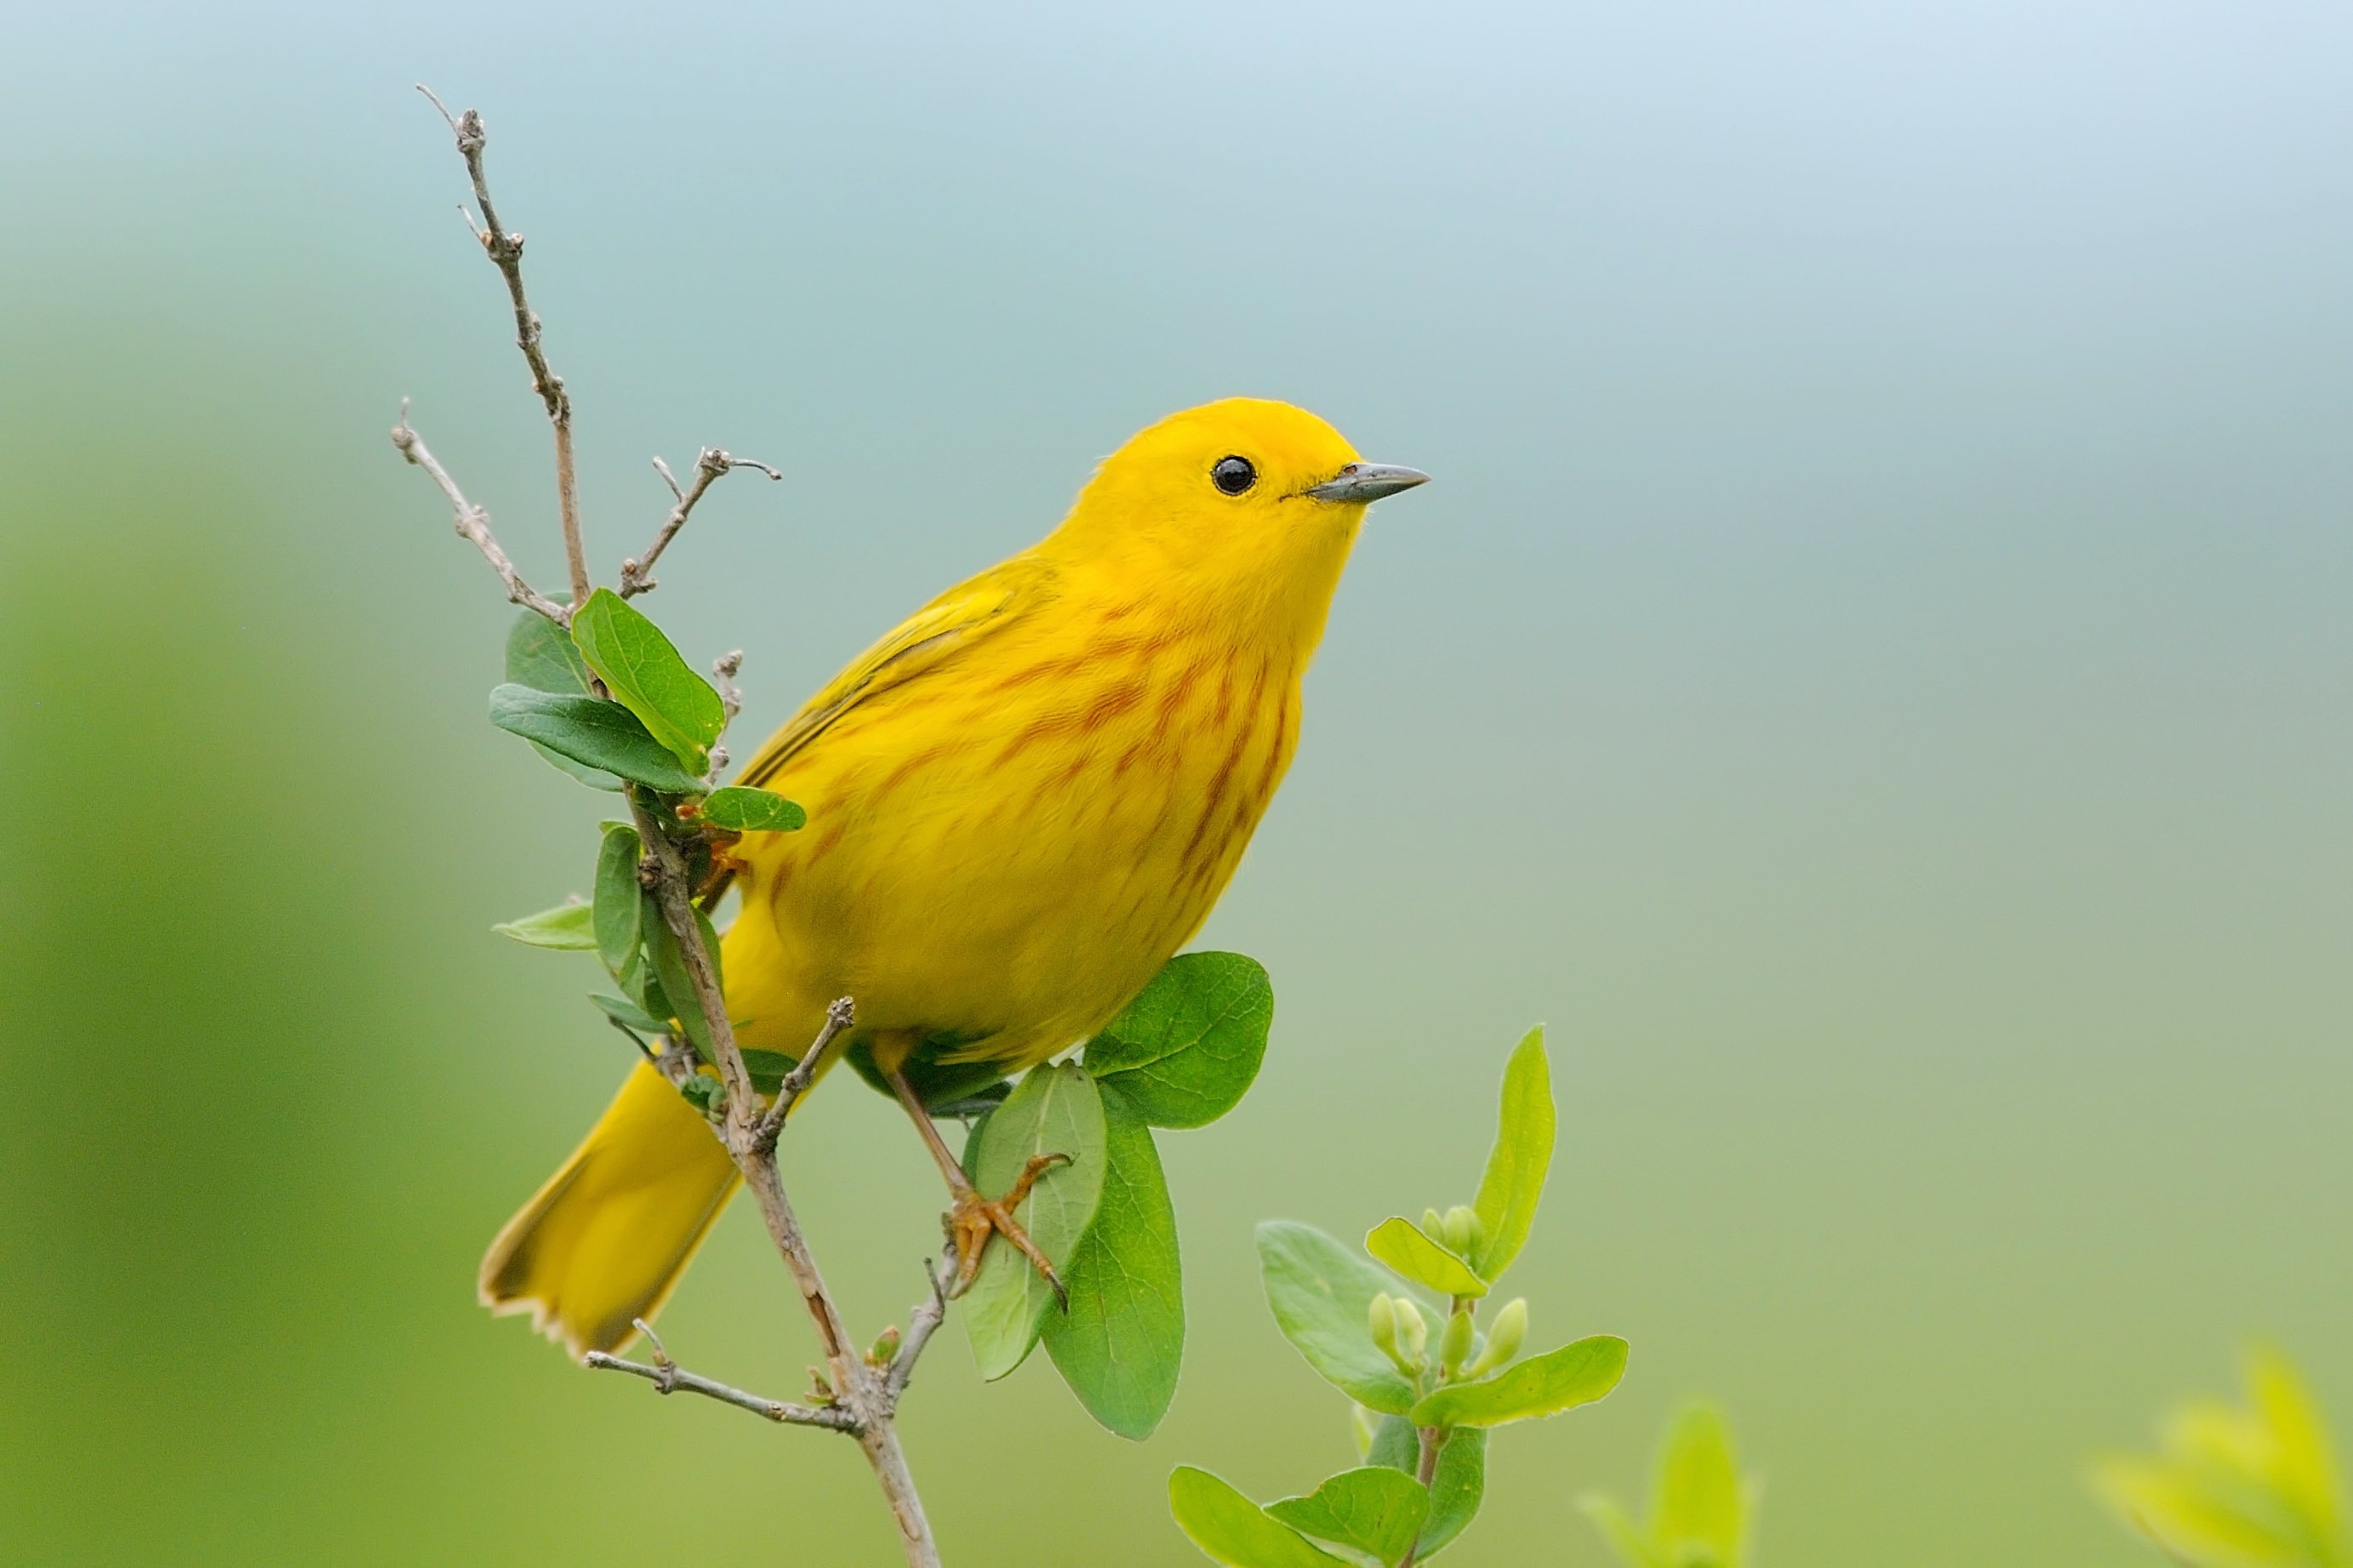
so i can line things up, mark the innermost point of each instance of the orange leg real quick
(973, 1218)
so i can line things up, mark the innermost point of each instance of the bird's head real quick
(1245, 506)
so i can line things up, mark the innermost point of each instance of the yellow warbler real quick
(1022, 803)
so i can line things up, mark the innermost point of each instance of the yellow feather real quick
(1023, 800)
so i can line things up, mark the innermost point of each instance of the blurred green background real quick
(1874, 673)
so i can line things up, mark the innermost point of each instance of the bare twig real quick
(474, 523)
(731, 700)
(668, 1377)
(505, 251)
(711, 465)
(921, 1326)
(839, 1016)
(725, 669)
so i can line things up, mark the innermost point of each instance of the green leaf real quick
(1322, 1296)
(742, 810)
(938, 1084)
(1506, 1206)
(629, 1014)
(1120, 1345)
(767, 1068)
(601, 734)
(541, 655)
(565, 926)
(670, 969)
(1455, 1491)
(618, 896)
(1699, 1502)
(1190, 1043)
(1625, 1538)
(1232, 1529)
(1373, 1509)
(1400, 1244)
(647, 676)
(1055, 1110)
(1548, 1384)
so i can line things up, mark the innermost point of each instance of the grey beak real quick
(1362, 482)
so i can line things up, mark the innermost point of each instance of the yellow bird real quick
(1022, 803)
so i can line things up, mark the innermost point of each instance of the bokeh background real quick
(1872, 672)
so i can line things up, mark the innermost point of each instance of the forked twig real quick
(668, 1377)
(711, 465)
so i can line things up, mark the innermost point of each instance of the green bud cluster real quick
(705, 1093)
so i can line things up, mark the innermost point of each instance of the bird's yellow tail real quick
(606, 1237)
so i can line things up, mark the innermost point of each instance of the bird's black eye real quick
(1233, 475)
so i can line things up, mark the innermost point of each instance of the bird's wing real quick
(972, 610)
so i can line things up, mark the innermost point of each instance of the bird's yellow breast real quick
(1008, 849)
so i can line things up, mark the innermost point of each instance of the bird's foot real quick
(974, 1219)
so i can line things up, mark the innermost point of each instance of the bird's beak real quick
(1363, 482)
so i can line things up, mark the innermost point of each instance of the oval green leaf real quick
(1231, 1528)
(742, 810)
(1548, 1384)
(1373, 1509)
(1053, 1111)
(601, 734)
(1514, 1179)
(1122, 1342)
(1400, 1244)
(566, 927)
(540, 654)
(647, 676)
(1322, 1296)
(1190, 1043)
(1455, 1491)
(618, 896)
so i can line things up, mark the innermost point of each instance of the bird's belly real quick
(1014, 882)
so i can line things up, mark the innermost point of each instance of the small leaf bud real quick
(1383, 1322)
(884, 1347)
(1462, 1227)
(1504, 1336)
(1413, 1334)
(1432, 1226)
(1454, 1341)
(705, 1093)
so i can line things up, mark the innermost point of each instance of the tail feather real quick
(608, 1235)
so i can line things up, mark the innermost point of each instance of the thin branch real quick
(505, 251)
(725, 668)
(668, 1377)
(474, 523)
(711, 465)
(858, 1386)
(921, 1326)
(839, 1016)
